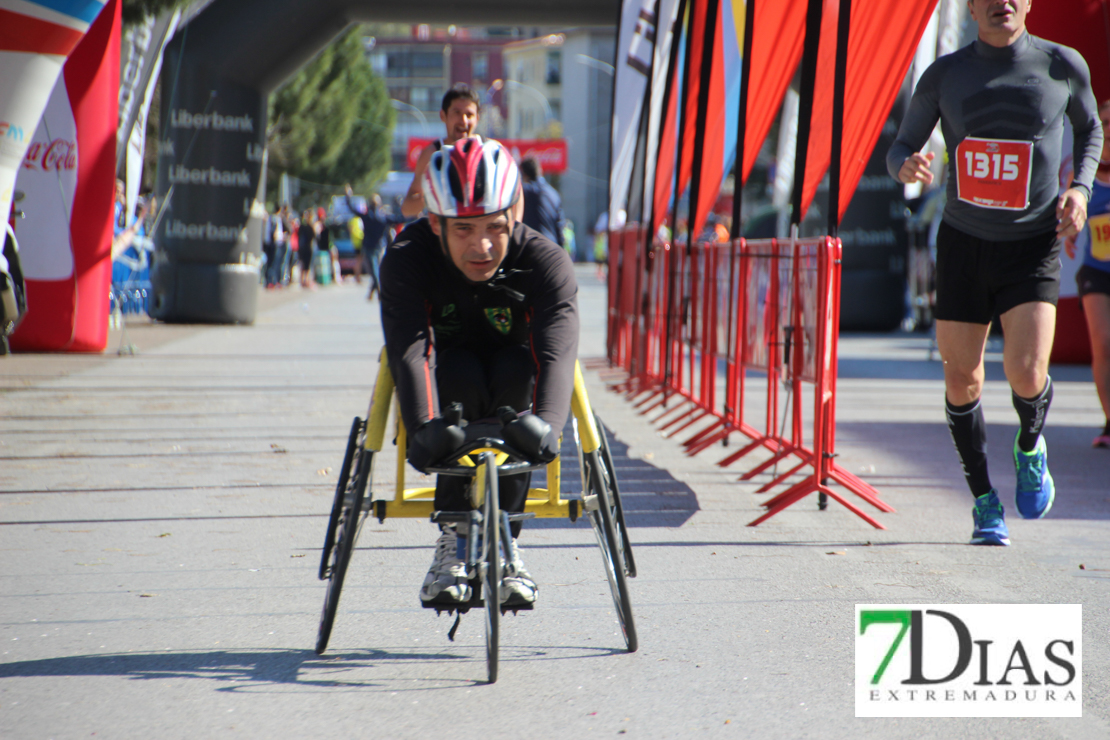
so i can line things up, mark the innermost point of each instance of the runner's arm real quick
(1086, 126)
(413, 203)
(918, 123)
(408, 335)
(361, 213)
(554, 340)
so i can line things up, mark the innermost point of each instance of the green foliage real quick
(332, 123)
(135, 11)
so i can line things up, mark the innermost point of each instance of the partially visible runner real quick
(1093, 277)
(306, 245)
(374, 226)
(355, 229)
(459, 112)
(543, 207)
(479, 310)
(1001, 102)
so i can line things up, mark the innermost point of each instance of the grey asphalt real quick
(161, 514)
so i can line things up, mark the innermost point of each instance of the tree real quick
(331, 123)
(135, 11)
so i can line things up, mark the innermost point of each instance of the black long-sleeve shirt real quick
(1019, 92)
(427, 304)
(543, 209)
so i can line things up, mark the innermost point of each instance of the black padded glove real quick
(530, 435)
(437, 438)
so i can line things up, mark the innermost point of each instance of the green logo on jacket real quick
(501, 319)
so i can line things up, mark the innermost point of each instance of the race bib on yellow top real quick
(994, 173)
(1100, 236)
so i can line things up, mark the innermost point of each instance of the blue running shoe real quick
(990, 524)
(1035, 490)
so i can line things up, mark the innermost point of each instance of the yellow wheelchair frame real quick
(600, 501)
(417, 502)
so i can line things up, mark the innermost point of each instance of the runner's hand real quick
(1069, 247)
(434, 441)
(1071, 213)
(916, 169)
(530, 435)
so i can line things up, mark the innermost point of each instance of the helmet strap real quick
(443, 238)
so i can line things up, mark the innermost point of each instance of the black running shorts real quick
(978, 278)
(1092, 280)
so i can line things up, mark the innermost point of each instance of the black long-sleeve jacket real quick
(427, 304)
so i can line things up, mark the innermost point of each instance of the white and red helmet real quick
(471, 178)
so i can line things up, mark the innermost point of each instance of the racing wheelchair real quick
(482, 460)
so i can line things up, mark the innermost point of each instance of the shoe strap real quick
(454, 627)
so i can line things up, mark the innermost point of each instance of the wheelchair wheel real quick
(618, 509)
(601, 513)
(354, 441)
(351, 517)
(491, 563)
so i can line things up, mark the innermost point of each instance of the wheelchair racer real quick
(479, 310)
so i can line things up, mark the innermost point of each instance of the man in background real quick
(459, 112)
(543, 208)
(375, 229)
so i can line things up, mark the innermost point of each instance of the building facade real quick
(420, 68)
(560, 84)
(538, 83)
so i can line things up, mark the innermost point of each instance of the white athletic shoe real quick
(517, 586)
(446, 581)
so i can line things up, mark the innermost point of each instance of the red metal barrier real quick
(680, 316)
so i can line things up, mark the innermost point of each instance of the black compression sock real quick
(1106, 429)
(969, 434)
(1032, 412)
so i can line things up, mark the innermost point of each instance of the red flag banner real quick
(777, 40)
(1084, 25)
(713, 143)
(695, 42)
(665, 38)
(881, 46)
(820, 132)
(664, 173)
(882, 42)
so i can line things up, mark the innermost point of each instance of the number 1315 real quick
(981, 164)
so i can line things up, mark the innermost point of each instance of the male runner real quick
(480, 310)
(543, 207)
(1001, 102)
(375, 224)
(459, 112)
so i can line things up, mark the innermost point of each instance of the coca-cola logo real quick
(49, 156)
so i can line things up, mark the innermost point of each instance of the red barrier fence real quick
(680, 317)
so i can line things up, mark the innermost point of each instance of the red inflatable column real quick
(68, 307)
(1080, 24)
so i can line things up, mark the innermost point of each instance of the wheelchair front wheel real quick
(491, 562)
(350, 521)
(601, 514)
(618, 509)
(354, 441)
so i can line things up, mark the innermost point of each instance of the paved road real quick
(160, 517)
